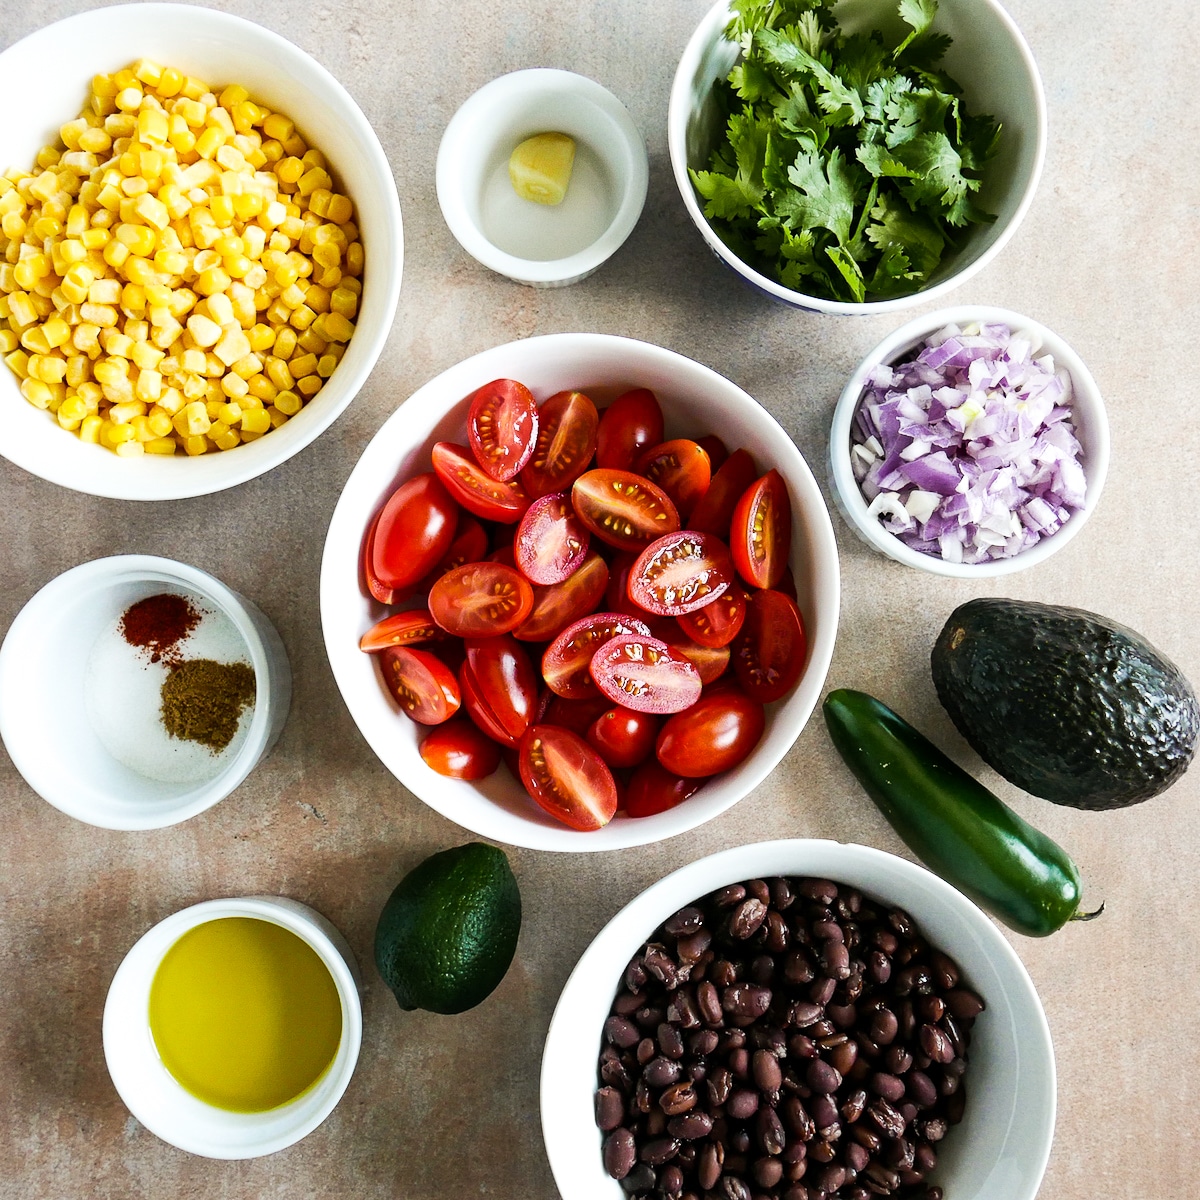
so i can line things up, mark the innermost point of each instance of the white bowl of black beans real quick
(799, 1020)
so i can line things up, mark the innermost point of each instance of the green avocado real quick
(447, 935)
(1066, 704)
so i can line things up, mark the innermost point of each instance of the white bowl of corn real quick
(200, 251)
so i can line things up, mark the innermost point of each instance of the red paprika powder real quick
(158, 624)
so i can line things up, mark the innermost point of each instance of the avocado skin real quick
(1064, 703)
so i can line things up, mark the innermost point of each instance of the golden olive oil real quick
(244, 1014)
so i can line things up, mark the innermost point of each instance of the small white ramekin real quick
(1000, 1150)
(152, 1094)
(44, 721)
(487, 128)
(1088, 415)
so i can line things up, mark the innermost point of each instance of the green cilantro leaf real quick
(823, 196)
(919, 15)
(894, 225)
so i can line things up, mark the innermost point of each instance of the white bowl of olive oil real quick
(232, 1028)
(542, 244)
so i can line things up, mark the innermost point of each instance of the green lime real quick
(448, 932)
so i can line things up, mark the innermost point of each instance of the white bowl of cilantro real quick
(857, 157)
(971, 442)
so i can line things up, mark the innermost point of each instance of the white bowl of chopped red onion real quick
(970, 442)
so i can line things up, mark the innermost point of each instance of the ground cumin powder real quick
(202, 700)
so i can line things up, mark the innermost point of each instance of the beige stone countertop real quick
(447, 1107)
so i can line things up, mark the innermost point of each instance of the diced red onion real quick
(968, 450)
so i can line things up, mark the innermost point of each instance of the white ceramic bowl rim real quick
(709, 29)
(200, 32)
(567, 358)
(634, 185)
(574, 1037)
(28, 755)
(154, 1097)
(901, 342)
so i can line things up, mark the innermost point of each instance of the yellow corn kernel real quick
(89, 429)
(149, 385)
(255, 420)
(152, 127)
(8, 341)
(279, 374)
(228, 439)
(220, 309)
(18, 363)
(129, 99)
(34, 340)
(302, 317)
(160, 445)
(288, 403)
(310, 385)
(129, 449)
(153, 211)
(210, 141)
(145, 356)
(326, 365)
(38, 394)
(248, 366)
(303, 364)
(234, 386)
(195, 444)
(344, 301)
(192, 420)
(212, 281)
(234, 344)
(158, 421)
(72, 409)
(57, 332)
(79, 370)
(95, 239)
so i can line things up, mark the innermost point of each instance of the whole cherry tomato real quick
(414, 529)
(761, 534)
(653, 789)
(489, 499)
(551, 541)
(680, 573)
(423, 686)
(645, 674)
(567, 778)
(482, 599)
(769, 653)
(715, 734)
(623, 509)
(629, 425)
(566, 442)
(502, 426)
(459, 750)
(622, 737)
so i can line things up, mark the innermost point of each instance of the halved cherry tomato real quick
(423, 686)
(622, 737)
(645, 674)
(715, 734)
(716, 624)
(567, 778)
(482, 599)
(557, 606)
(502, 678)
(631, 423)
(681, 468)
(469, 484)
(653, 789)
(761, 533)
(768, 656)
(680, 573)
(459, 750)
(470, 545)
(714, 512)
(566, 441)
(414, 529)
(715, 449)
(576, 715)
(502, 425)
(710, 661)
(480, 713)
(567, 659)
(409, 628)
(551, 541)
(787, 585)
(623, 509)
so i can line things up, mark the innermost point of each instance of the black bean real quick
(646, 1050)
(933, 1129)
(690, 1127)
(660, 964)
(627, 1003)
(853, 1106)
(890, 1087)
(670, 1040)
(620, 1153)
(735, 1188)
(884, 1027)
(692, 947)
(641, 1179)
(746, 918)
(746, 1001)
(920, 1089)
(659, 1151)
(781, 894)
(728, 896)
(823, 1078)
(766, 1071)
(924, 1158)
(821, 991)
(708, 1171)
(879, 966)
(843, 1057)
(708, 1004)
(830, 1178)
(936, 1044)
(930, 1008)
(621, 1032)
(703, 1041)
(610, 1109)
(889, 1122)
(770, 1133)
(899, 1154)
(855, 1156)
(678, 1099)
(649, 1017)
(844, 1016)
(719, 1084)
(963, 1004)
(823, 891)
(723, 972)
(822, 1151)
(635, 975)
(739, 1062)
(897, 1060)
(742, 1104)
(762, 967)
(824, 1111)
(682, 1010)
(686, 920)
(767, 1172)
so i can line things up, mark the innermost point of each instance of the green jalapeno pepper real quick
(952, 822)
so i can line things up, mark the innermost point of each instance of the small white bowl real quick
(45, 721)
(1088, 413)
(1000, 1149)
(990, 60)
(151, 1092)
(695, 400)
(43, 81)
(536, 244)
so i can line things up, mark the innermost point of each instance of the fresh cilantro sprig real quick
(850, 165)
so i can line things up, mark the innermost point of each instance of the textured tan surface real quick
(447, 1107)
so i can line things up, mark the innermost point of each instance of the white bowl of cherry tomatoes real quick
(580, 592)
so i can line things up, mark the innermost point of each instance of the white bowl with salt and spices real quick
(136, 691)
